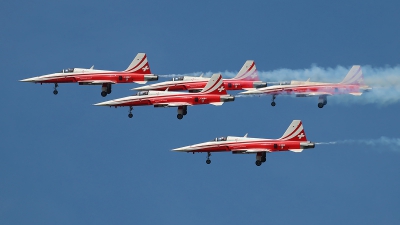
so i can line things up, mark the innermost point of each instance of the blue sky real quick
(65, 161)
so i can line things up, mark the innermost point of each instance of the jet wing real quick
(172, 104)
(96, 82)
(310, 94)
(253, 150)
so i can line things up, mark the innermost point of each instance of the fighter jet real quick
(138, 71)
(213, 93)
(352, 84)
(294, 139)
(246, 78)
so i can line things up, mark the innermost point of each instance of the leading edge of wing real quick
(172, 104)
(96, 82)
(254, 150)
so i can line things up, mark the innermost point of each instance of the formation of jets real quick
(202, 90)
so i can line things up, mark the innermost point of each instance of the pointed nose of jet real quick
(106, 103)
(182, 149)
(33, 79)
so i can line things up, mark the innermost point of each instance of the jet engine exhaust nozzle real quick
(260, 85)
(150, 77)
(229, 98)
(306, 145)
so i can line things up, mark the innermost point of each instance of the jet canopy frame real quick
(141, 93)
(69, 70)
(177, 78)
(220, 139)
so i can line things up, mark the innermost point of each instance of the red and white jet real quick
(213, 93)
(245, 79)
(138, 71)
(294, 139)
(352, 84)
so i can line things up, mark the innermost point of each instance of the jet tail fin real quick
(248, 72)
(354, 76)
(139, 65)
(215, 85)
(295, 132)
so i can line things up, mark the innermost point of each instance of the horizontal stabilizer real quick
(217, 103)
(141, 82)
(356, 93)
(319, 93)
(296, 150)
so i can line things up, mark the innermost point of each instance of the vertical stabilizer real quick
(354, 76)
(139, 65)
(295, 132)
(215, 85)
(248, 72)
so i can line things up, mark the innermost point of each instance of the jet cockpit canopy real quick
(220, 139)
(177, 78)
(140, 93)
(69, 70)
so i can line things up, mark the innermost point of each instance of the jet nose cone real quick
(28, 80)
(182, 149)
(107, 103)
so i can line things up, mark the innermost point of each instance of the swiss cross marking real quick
(300, 136)
(145, 68)
(221, 89)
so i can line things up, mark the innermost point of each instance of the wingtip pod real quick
(215, 85)
(139, 65)
(354, 76)
(248, 72)
(295, 132)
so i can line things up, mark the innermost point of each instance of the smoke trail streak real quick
(385, 81)
(382, 142)
(326, 143)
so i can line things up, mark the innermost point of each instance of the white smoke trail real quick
(385, 81)
(381, 143)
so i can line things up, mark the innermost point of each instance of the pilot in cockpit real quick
(177, 78)
(140, 93)
(69, 70)
(220, 139)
